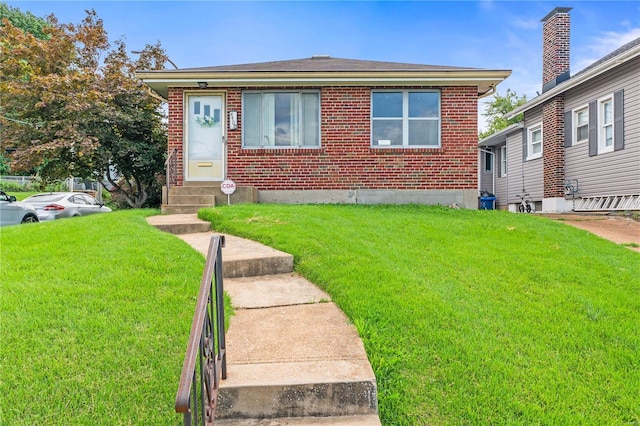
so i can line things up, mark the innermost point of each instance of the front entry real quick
(204, 138)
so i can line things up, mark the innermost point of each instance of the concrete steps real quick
(293, 358)
(193, 196)
(178, 224)
(295, 361)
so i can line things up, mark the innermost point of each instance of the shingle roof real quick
(622, 54)
(620, 50)
(319, 71)
(322, 63)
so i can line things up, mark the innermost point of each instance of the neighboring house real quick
(578, 147)
(324, 129)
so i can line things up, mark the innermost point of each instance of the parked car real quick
(13, 212)
(56, 205)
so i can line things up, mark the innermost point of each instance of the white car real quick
(13, 212)
(57, 205)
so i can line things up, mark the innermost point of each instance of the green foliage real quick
(497, 110)
(5, 165)
(75, 108)
(471, 317)
(26, 21)
(35, 185)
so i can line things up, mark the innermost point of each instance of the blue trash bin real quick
(487, 203)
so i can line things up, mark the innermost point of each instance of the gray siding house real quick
(578, 147)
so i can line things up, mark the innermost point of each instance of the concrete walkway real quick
(293, 357)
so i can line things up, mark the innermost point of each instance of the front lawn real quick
(468, 317)
(94, 320)
(472, 317)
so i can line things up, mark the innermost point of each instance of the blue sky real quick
(482, 34)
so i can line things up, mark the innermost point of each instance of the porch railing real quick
(171, 166)
(205, 360)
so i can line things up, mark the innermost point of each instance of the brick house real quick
(578, 146)
(324, 129)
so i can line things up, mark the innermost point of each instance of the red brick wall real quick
(553, 147)
(555, 46)
(176, 131)
(346, 159)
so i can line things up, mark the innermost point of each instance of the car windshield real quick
(44, 198)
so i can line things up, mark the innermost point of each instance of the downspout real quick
(493, 169)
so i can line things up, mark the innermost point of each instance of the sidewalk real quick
(292, 355)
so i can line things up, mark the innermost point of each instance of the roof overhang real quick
(500, 137)
(578, 79)
(161, 81)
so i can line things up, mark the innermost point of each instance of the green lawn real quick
(472, 317)
(22, 195)
(468, 317)
(94, 320)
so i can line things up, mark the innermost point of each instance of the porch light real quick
(203, 84)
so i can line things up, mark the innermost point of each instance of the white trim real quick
(406, 119)
(185, 133)
(577, 80)
(574, 122)
(298, 92)
(488, 154)
(503, 161)
(482, 79)
(602, 149)
(530, 131)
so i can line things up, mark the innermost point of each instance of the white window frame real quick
(488, 161)
(405, 119)
(530, 131)
(300, 145)
(503, 161)
(602, 125)
(576, 112)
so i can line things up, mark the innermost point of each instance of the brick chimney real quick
(555, 47)
(555, 70)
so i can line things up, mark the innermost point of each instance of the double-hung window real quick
(605, 132)
(534, 142)
(281, 119)
(405, 118)
(581, 120)
(503, 161)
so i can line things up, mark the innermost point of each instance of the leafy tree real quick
(4, 165)
(73, 107)
(497, 110)
(25, 21)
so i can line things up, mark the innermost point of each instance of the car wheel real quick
(30, 218)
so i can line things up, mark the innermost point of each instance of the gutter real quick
(491, 91)
(577, 80)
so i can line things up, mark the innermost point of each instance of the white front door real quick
(204, 136)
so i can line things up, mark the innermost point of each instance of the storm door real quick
(204, 138)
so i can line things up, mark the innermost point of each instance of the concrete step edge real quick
(273, 290)
(184, 228)
(361, 420)
(257, 266)
(323, 399)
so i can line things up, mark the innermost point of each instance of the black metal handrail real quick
(171, 166)
(205, 360)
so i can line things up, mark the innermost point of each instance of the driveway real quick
(620, 230)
